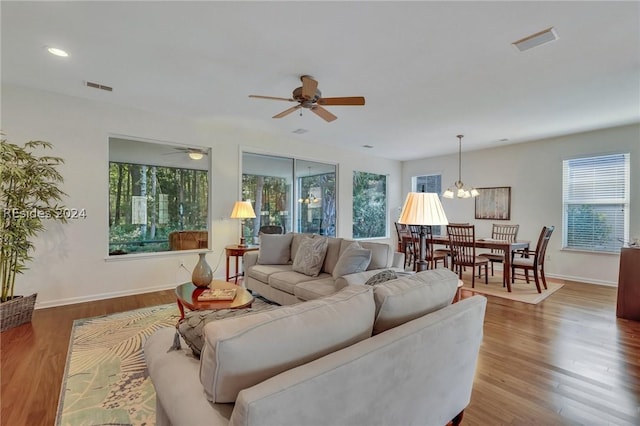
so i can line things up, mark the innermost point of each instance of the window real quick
(155, 191)
(596, 202)
(369, 205)
(429, 183)
(298, 195)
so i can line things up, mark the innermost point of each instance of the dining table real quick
(488, 243)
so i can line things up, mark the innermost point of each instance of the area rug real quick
(106, 380)
(521, 291)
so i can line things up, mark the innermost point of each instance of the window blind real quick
(596, 202)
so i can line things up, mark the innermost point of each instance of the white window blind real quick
(596, 202)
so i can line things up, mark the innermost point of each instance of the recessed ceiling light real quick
(537, 39)
(504, 140)
(300, 131)
(57, 52)
(367, 146)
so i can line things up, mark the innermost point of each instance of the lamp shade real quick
(242, 210)
(423, 208)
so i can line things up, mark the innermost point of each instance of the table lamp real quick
(424, 209)
(242, 210)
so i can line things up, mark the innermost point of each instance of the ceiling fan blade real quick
(272, 97)
(323, 113)
(349, 100)
(309, 87)
(287, 111)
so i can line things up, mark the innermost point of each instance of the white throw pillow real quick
(354, 259)
(243, 351)
(310, 256)
(275, 249)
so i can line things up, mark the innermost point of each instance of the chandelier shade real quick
(459, 190)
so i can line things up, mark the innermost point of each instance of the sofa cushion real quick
(310, 256)
(314, 289)
(241, 352)
(333, 254)
(381, 255)
(286, 281)
(275, 249)
(263, 272)
(382, 276)
(353, 259)
(410, 297)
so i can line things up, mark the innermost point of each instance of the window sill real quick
(574, 250)
(171, 253)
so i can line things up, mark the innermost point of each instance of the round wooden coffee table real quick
(187, 295)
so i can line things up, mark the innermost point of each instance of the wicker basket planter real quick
(16, 311)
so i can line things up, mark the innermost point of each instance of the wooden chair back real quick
(541, 247)
(462, 244)
(505, 232)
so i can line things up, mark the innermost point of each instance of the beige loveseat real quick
(396, 353)
(272, 273)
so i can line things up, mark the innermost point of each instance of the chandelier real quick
(461, 191)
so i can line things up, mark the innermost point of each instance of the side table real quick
(237, 251)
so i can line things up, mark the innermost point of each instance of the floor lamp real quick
(242, 210)
(424, 209)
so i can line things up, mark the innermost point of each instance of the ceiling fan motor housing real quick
(304, 101)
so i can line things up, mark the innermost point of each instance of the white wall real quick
(534, 172)
(70, 262)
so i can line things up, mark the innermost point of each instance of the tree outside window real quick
(369, 205)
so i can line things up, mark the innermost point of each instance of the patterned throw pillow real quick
(382, 276)
(310, 256)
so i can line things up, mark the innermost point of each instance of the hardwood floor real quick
(565, 361)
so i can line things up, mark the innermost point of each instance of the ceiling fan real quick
(309, 96)
(193, 153)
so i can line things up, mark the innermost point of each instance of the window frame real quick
(149, 153)
(573, 196)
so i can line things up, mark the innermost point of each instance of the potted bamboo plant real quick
(29, 195)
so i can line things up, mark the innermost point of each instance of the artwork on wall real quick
(494, 203)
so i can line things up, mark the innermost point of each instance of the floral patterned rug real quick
(106, 380)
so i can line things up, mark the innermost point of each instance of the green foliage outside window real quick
(147, 203)
(369, 205)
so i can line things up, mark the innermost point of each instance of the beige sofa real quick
(397, 353)
(271, 271)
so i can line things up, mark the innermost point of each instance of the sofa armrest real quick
(250, 258)
(175, 376)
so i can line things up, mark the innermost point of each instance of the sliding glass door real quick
(296, 195)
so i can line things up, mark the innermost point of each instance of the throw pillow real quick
(275, 249)
(241, 352)
(354, 259)
(382, 276)
(310, 256)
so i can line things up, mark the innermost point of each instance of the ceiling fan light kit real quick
(310, 97)
(460, 191)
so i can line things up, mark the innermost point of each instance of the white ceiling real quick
(428, 70)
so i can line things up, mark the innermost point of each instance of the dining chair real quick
(433, 255)
(404, 235)
(462, 243)
(533, 260)
(500, 232)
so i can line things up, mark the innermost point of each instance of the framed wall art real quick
(494, 203)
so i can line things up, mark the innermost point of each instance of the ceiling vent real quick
(300, 131)
(98, 86)
(535, 40)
